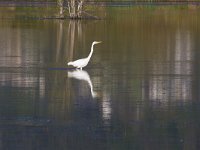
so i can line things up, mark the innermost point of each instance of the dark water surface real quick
(141, 89)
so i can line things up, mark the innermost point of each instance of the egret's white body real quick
(80, 63)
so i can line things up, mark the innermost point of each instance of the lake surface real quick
(140, 90)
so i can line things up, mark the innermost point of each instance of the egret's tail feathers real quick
(69, 63)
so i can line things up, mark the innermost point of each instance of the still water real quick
(140, 89)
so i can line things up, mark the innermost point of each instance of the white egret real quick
(80, 63)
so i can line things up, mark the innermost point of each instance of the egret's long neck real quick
(90, 55)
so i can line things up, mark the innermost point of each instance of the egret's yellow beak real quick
(98, 42)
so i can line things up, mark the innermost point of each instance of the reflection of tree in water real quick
(66, 41)
(74, 28)
(178, 86)
(68, 35)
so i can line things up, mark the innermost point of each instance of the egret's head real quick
(96, 42)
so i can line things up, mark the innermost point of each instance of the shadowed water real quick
(140, 89)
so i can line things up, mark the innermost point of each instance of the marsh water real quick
(140, 90)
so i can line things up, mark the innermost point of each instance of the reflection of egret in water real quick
(82, 75)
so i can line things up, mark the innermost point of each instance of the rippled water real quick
(140, 89)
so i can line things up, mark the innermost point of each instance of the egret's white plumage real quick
(80, 63)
